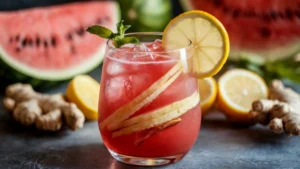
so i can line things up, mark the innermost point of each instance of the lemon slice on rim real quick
(208, 93)
(83, 90)
(237, 89)
(208, 37)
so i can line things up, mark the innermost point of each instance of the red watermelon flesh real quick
(55, 38)
(256, 25)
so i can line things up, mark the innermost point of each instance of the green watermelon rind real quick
(9, 75)
(17, 72)
(268, 55)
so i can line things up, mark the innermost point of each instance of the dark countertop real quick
(219, 145)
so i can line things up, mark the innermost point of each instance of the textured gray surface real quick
(219, 145)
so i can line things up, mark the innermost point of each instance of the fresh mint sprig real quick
(118, 39)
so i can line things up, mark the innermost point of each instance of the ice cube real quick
(141, 48)
(140, 82)
(145, 51)
(114, 89)
(156, 44)
(114, 68)
(129, 45)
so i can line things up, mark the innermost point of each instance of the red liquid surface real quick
(123, 79)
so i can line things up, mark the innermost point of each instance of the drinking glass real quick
(149, 112)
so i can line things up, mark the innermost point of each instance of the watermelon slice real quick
(258, 29)
(50, 43)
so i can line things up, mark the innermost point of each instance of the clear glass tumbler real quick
(149, 102)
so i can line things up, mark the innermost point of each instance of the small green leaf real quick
(125, 29)
(118, 38)
(100, 31)
(122, 28)
(130, 39)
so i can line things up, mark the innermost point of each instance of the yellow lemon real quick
(84, 91)
(208, 93)
(207, 36)
(237, 89)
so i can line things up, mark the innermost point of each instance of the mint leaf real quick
(100, 31)
(130, 39)
(118, 38)
(118, 42)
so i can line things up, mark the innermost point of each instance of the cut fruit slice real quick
(145, 97)
(46, 45)
(157, 129)
(208, 93)
(83, 90)
(167, 116)
(208, 37)
(156, 113)
(238, 88)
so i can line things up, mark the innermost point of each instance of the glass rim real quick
(111, 47)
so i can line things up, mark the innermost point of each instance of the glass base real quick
(146, 161)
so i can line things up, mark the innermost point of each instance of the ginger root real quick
(47, 112)
(281, 111)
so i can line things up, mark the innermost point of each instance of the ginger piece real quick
(73, 116)
(27, 112)
(9, 104)
(51, 121)
(46, 111)
(281, 112)
(20, 92)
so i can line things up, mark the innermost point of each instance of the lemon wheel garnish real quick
(83, 90)
(208, 93)
(237, 89)
(208, 36)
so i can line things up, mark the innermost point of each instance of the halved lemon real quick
(83, 90)
(237, 89)
(208, 36)
(208, 93)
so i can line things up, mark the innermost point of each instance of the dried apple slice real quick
(156, 113)
(151, 97)
(145, 97)
(142, 125)
(157, 129)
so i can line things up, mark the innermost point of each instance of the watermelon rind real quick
(18, 72)
(268, 55)
(258, 57)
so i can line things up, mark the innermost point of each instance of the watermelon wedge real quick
(264, 30)
(50, 44)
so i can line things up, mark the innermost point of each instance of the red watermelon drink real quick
(149, 103)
